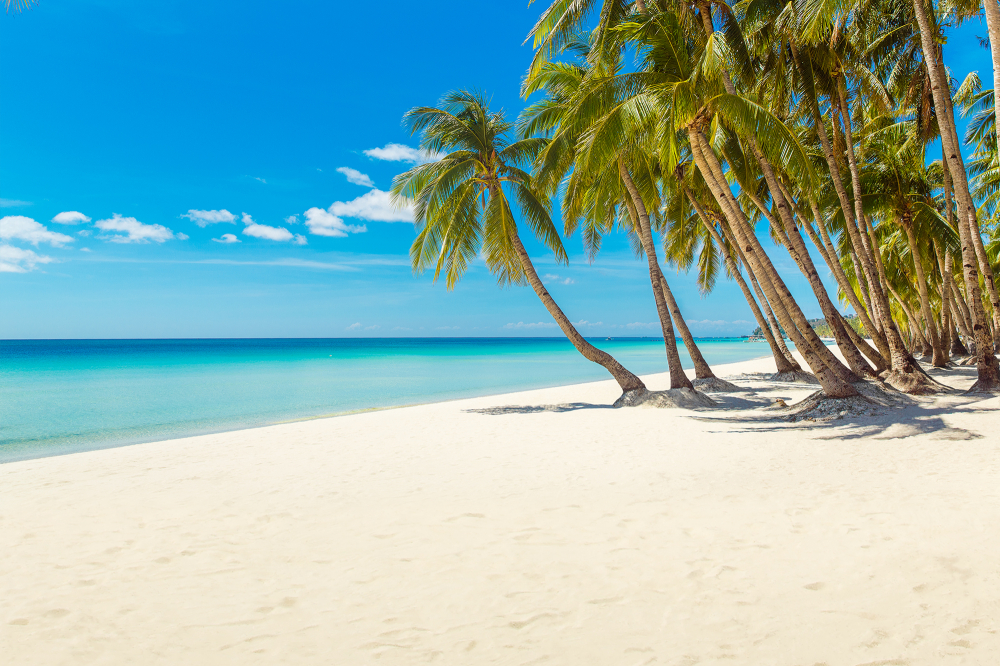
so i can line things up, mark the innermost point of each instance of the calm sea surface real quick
(60, 396)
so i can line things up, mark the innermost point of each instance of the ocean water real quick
(61, 396)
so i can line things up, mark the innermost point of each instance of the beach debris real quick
(716, 385)
(683, 398)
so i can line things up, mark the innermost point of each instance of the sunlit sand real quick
(533, 527)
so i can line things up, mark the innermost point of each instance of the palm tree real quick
(462, 207)
(987, 366)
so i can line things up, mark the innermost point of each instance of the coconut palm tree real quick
(464, 206)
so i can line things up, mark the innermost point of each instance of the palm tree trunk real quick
(992, 11)
(829, 254)
(626, 380)
(768, 310)
(678, 378)
(702, 370)
(782, 359)
(946, 321)
(797, 250)
(794, 322)
(987, 366)
(937, 358)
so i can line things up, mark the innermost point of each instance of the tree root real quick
(684, 398)
(915, 382)
(715, 385)
(794, 377)
(872, 400)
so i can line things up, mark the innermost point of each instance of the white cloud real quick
(639, 324)
(356, 177)
(292, 219)
(13, 203)
(270, 233)
(325, 223)
(373, 205)
(446, 328)
(203, 218)
(555, 278)
(397, 152)
(19, 227)
(373, 327)
(356, 326)
(71, 217)
(227, 239)
(583, 323)
(18, 260)
(84, 232)
(260, 179)
(85, 249)
(134, 231)
(521, 324)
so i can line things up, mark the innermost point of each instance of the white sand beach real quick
(559, 535)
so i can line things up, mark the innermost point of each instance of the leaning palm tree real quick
(463, 207)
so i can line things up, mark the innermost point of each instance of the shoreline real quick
(539, 525)
(90, 434)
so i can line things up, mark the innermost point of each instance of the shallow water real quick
(60, 396)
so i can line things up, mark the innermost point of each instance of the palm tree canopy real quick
(463, 203)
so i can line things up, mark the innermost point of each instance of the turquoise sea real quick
(60, 396)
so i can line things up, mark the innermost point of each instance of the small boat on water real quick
(756, 338)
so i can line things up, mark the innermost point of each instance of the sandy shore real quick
(569, 535)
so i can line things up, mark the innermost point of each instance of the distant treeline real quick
(823, 329)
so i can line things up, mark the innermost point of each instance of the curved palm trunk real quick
(626, 380)
(829, 254)
(797, 249)
(794, 321)
(782, 358)
(986, 362)
(937, 358)
(702, 370)
(992, 11)
(905, 373)
(678, 378)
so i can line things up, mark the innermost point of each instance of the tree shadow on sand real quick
(534, 409)
(907, 418)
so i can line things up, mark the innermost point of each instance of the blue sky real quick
(286, 116)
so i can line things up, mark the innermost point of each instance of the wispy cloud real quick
(356, 177)
(556, 278)
(583, 323)
(260, 179)
(397, 152)
(19, 227)
(18, 260)
(324, 223)
(227, 239)
(270, 233)
(640, 324)
(540, 324)
(356, 326)
(13, 203)
(71, 217)
(131, 230)
(203, 218)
